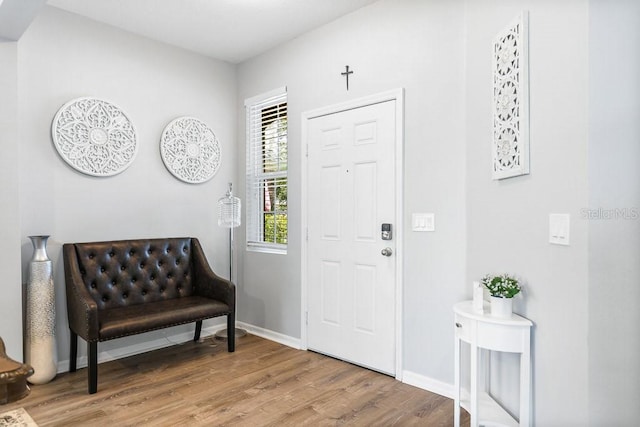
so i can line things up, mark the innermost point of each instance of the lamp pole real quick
(233, 222)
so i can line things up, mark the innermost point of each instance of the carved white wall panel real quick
(94, 137)
(190, 150)
(511, 100)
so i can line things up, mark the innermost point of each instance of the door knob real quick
(387, 252)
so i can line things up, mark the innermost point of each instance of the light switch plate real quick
(423, 222)
(559, 227)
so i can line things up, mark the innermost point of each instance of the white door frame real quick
(392, 95)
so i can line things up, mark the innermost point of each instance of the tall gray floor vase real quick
(40, 336)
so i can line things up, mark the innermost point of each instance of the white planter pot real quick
(501, 307)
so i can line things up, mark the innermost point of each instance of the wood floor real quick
(262, 384)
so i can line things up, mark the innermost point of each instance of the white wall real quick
(10, 286)
(415, 45)
(62, 56)
(508, 220)
(614, 240)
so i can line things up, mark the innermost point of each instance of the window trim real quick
(278, 96)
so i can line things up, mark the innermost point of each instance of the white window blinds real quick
(266, 168)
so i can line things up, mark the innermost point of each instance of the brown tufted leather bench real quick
(126, 287)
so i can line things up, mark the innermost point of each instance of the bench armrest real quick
(82, 310)
(209, 284)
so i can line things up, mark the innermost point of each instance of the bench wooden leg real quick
(92, 348)
(73, 350)
(196, 337)
(231, 332)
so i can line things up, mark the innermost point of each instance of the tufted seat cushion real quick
(133, 319)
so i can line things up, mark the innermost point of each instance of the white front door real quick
(351, 284)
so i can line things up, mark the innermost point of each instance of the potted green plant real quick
(502, 289)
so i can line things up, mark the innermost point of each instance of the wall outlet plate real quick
(559, 228)
(423, 222)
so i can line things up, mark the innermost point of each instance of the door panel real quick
(330, 203)
(330, 291)
(364, 308)
(364, 209)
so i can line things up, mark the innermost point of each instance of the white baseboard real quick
(429, 384)
(271, 335)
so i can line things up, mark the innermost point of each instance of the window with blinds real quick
(266, 193)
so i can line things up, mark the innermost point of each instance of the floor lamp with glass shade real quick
(229, 217)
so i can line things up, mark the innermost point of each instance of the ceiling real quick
(230, 30)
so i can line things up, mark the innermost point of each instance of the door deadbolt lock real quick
(387, 252)
(386, 233)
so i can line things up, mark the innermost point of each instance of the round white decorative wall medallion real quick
(190, 150)
(94, 137)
